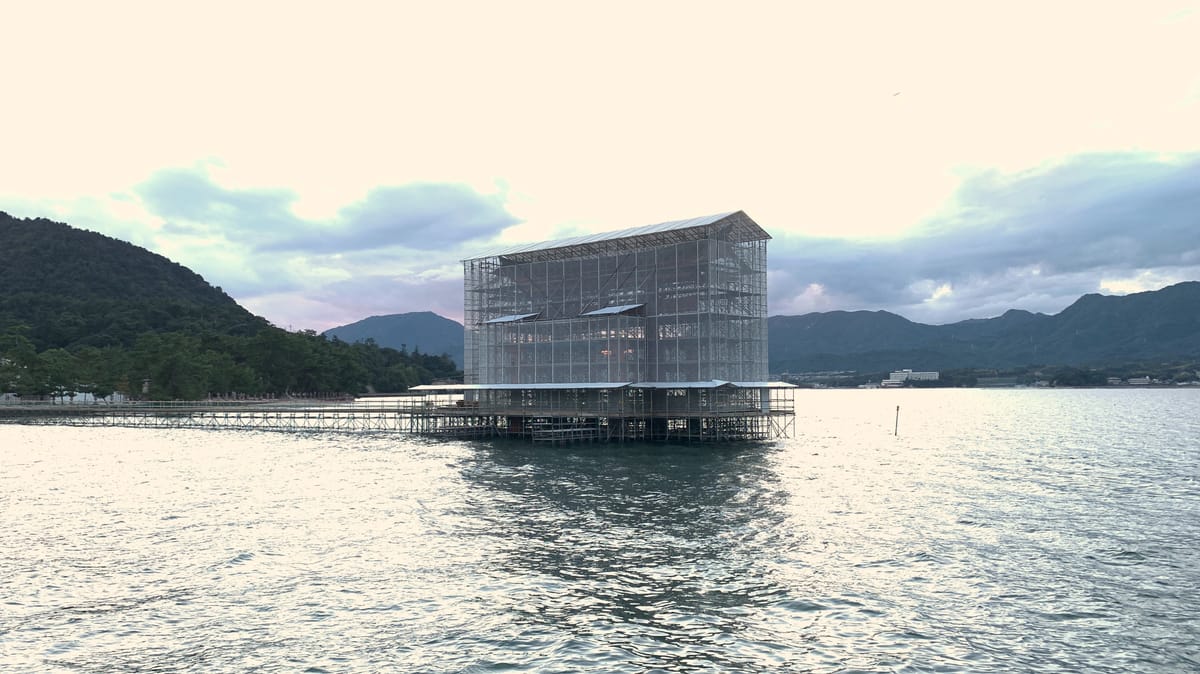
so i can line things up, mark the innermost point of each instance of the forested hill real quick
(422, 331)
(1097, 330)
(83, 312)
(73, 287)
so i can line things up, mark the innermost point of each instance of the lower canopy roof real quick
(459, 388)
(575, 386)
(712, 383)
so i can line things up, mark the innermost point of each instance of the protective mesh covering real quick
(674, 302)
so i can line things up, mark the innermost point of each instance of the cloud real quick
(423, 216)
(191, 202)
(395, 250)
(418, 216)
(1035, 240)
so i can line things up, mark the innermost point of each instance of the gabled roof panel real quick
(608, 311)
(513, 318)
(741, 228)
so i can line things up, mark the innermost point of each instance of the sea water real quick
(1013, 530)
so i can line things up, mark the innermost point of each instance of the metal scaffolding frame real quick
(676, 302)
(695, 300)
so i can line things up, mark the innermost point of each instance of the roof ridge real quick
(630, 232)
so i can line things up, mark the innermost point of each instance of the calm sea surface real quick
(1018, 530)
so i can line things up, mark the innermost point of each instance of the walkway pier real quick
(417, 414)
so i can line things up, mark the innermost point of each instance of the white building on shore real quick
(901, 377)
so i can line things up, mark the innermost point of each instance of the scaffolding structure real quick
(671, 315)
(679, 301)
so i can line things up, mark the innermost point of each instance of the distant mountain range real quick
(420, 330)
(1095, 330)
(66, 288)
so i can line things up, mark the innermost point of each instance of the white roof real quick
(712, 383)
(459, 388)
(512, 318)
(606, 311)
(567, 386)
(744, 229)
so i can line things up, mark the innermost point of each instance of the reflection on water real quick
(654, 553)
(999, 531)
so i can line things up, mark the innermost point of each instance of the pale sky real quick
(325, 162)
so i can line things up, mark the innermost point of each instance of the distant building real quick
(900, 377)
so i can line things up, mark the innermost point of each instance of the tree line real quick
(181, 365)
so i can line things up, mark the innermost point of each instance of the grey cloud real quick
(191, 203)
(421, 216)
(424, 217)
(1092, 211)
(1034, 241)
(389, 244)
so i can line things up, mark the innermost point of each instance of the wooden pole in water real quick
(896, 431)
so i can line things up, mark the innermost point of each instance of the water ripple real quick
(1032, 531)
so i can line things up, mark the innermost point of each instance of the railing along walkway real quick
(403, 414)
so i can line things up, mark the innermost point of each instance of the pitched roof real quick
(737, 226)
(610, 311)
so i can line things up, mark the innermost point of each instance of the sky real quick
(326, 162)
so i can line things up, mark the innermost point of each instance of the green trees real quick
(1074, 376)
(173, 364)
(190, 366)
(85, 313)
